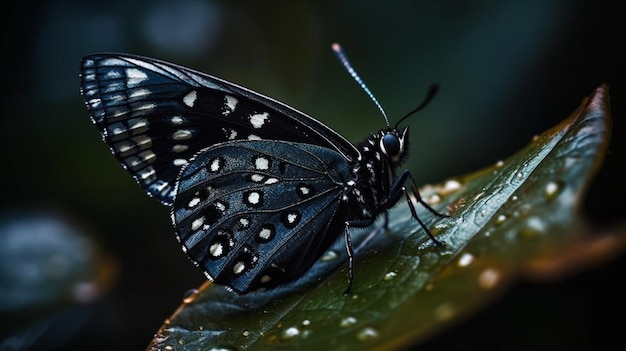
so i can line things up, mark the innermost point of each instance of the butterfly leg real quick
(356, 224)
(406, 174)
(396, 192)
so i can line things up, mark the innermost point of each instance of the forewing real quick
(156, 115)
(256, 214)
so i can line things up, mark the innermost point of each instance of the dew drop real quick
(306, 322)
(533, 228)
(465, 260)
(488, 278)
(389, 276)
(445, 311)
(450, 186)
(500, 219)
(553, 189)
(348, 321)
(222, 348)
(246, 333)
(499, 164)
(440, 227)
(190, 296)
(290, 333)
(367, 334)
(434, 199)
(329, 256)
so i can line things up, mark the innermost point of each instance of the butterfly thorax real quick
(375, 171)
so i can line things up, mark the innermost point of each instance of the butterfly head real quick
(394, 143)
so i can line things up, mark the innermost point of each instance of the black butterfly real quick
(258, 190)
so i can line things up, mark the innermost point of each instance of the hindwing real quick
(255, 214)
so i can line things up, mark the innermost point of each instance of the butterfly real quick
(258, 191)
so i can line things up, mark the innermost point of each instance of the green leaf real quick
(522, 215)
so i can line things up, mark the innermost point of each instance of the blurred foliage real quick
(47, 267)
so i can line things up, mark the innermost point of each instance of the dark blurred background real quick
(507, 70)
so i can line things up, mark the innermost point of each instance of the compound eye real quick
(390, 145)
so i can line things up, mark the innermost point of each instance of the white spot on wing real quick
(256, 178)
(291, 217)
(197, 223)
(135, 76)
(190, 99)
(148, 156)
(123, 146)
(182, 134)
(140, 93)
(254, 198)
(117, 97)
(177, 120)
(148, 106)
(180, 162)
(258, 120)
(244, 222)
(113, 75)
(179, 148)
(216, 250)
(239, 267)
(193, 202)
(216, 165)
(230, 133)
(261, 163)
(229, 105)
(147, 174)
(265, 233)
(137, 123)
(271, 181)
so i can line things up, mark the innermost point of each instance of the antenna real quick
(429, 96)
(344, 60)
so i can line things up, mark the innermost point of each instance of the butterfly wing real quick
(256, 214)
(156, 115)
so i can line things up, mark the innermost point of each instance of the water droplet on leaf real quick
(389, 276)
(290, 333)
(553, 189)
(465, 260)
(329, 256)
(367, 334)
(348, 321)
